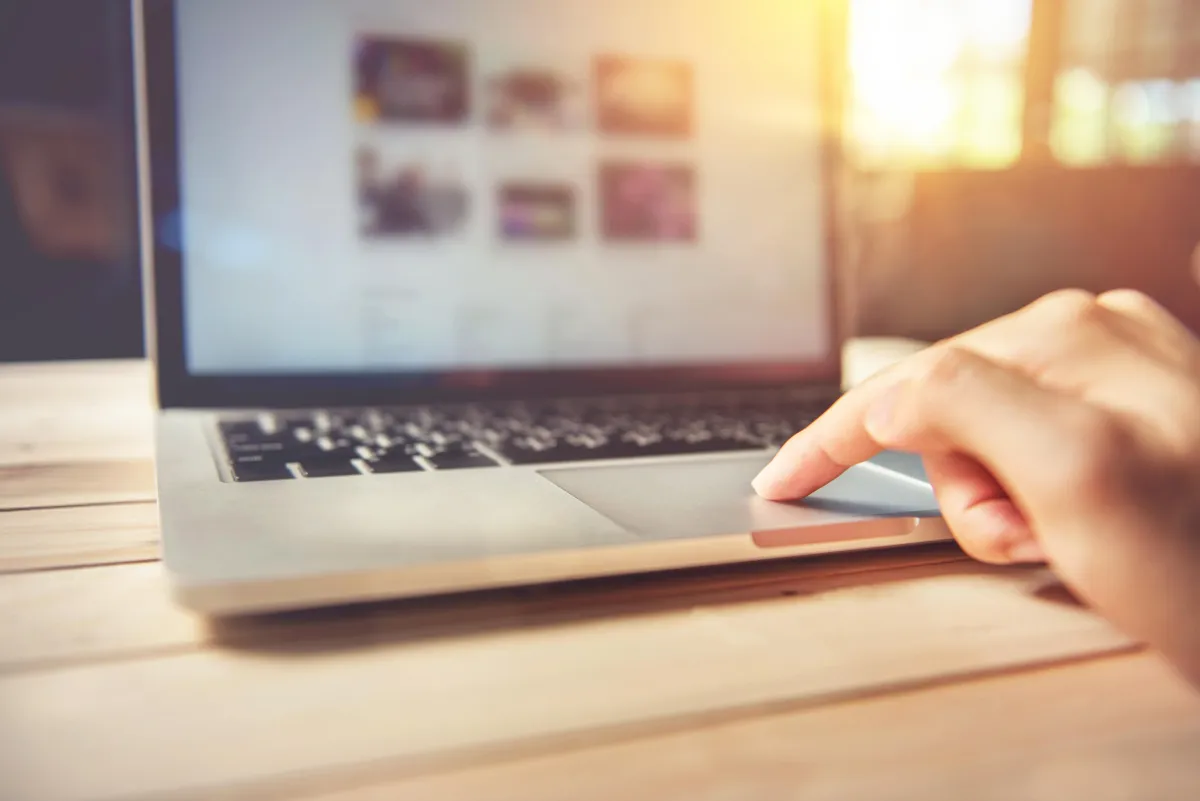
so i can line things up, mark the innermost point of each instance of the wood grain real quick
(1118, 728)
(248, 716)
(46, 628)
(68, 617)
(77, 536)
(913, 674)
(37, 486)
(75, 412)
(75, 433)
(42, 632)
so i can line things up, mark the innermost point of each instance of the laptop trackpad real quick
(713, 496)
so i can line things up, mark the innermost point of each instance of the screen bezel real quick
(163, 272)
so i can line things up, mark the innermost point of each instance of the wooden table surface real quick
(907, 675)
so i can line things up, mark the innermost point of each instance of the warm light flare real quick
(918, 72)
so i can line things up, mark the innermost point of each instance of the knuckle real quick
(1070, 307)
(949, 366)
(1130, 299)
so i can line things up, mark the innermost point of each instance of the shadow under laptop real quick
(352, 627)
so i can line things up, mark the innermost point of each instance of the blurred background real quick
(996, 149)
(68, 265)
(999, 149)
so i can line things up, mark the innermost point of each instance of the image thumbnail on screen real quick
(409, 80)
(409, 198)
(648, 202)
(643, 97)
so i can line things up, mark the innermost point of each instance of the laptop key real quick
(241, 431)
(394, 463)
(253, 459)
(325, 467)
(331, 443)
(269, 449)
(682, 447)
(460, 459)
(522, 454)
(261, 471)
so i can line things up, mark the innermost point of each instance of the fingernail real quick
(881, 417)
(1026, 552)
(771, 482)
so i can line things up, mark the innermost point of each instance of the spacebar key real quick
(571, 453)
(683, 447)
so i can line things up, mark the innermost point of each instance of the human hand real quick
(1068, 431)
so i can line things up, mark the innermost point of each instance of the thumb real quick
(984, 519)
(1078, 476)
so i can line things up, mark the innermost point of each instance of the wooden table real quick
(908, 675)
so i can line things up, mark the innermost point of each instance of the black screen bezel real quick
(179, 388)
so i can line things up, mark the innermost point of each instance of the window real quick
(936, 83)
(1128, 90)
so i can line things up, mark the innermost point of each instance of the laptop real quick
(481, 293)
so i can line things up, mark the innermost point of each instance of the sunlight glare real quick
(908, 88)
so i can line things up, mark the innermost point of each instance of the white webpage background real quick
(279, 279)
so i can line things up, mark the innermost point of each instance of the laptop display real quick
(385, 186)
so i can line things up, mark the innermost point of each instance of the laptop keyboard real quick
(345, 442)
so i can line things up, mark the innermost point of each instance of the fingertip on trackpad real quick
(709, 497)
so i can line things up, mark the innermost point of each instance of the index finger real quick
(838, 439)
(832, 444)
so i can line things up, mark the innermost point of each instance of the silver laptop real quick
(475, 293)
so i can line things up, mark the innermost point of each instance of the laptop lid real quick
(376, 201)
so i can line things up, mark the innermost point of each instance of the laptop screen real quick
(406, 185)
